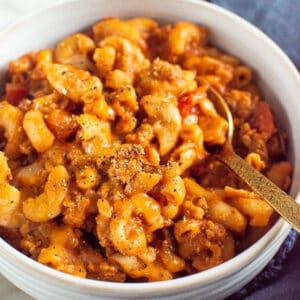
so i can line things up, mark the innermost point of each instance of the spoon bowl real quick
(281, 202)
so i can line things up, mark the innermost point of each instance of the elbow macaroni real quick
(106, 168)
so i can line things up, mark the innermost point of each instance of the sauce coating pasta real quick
(106, 167)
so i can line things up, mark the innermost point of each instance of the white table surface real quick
(11, 10)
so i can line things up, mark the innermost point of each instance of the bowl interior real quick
(274, 73)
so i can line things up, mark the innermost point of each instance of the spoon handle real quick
(286, 206)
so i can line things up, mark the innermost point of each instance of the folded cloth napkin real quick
(280, 20)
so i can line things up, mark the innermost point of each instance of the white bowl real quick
(275, 74)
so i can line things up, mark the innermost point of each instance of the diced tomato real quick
(262, 120)
(186, 106)
(188, 103)
(16, 92)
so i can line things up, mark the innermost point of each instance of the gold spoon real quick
(282, 203)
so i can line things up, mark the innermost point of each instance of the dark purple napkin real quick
(279, 279)
(280, 20)
(285, 285)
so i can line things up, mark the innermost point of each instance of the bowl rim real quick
(274, 233)
(279, 229)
